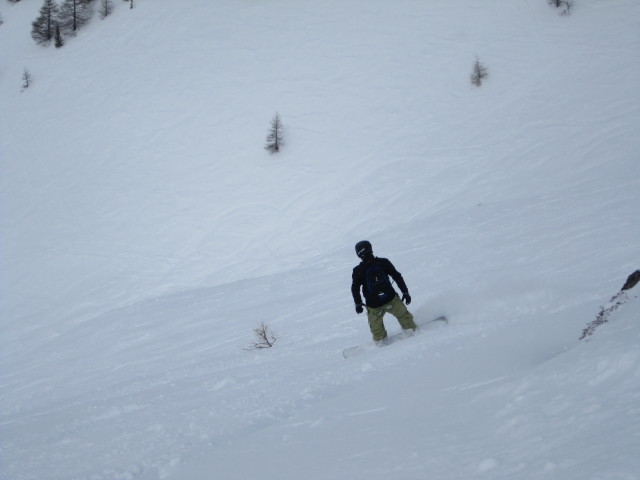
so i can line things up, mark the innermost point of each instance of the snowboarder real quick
(372, 276)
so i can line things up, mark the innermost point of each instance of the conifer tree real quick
(479, 73)
(59, 41)
(106, 8)
(26, 79)
(43, 27)
(74, 14)
(274, 139)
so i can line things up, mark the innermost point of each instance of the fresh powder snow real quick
(146, 233)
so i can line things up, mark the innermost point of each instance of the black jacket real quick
(358, 281)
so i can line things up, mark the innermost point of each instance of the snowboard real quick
(422, 326)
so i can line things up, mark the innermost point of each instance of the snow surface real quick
(145, 232)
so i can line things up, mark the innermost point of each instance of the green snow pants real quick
(396, 308)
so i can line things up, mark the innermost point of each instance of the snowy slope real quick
(146, 232)
(503, 404)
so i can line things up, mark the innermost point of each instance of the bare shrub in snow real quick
(265, 338)
(603, 316)
(478, 73)
(614, 303)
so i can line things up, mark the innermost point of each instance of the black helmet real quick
(364, 249)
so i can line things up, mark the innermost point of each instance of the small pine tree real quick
(59, 41)
(274, 139)
(26, 79)
(479, 73)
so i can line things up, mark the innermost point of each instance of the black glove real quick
(406, 298)
(359, 308)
